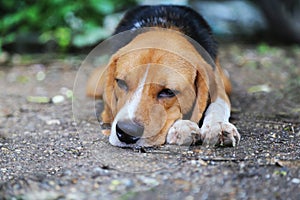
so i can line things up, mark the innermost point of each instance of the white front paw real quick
(220, 133)
(183, 132)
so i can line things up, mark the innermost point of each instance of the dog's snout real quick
(129, 131)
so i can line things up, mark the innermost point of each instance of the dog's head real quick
(156, 79)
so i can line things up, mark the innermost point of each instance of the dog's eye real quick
(122, 84)
(167, 93)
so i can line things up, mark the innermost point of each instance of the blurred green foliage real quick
(67, 22)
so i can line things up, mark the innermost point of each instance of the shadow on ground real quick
(43, 156)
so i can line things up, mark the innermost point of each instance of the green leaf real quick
(263, 48)
(38, 99)
(63, 36)
(103, 6)
(90, 36)
(32, 14)
(9, 38)
(46, 36)
(260, 88)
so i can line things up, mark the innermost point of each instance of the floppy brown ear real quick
(109, 79)
(95, 84)
(108, 90)
(101, 86)
(101, 80)
(206, 91)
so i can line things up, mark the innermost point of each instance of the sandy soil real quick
(44, 154)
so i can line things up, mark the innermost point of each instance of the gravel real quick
(46, 155)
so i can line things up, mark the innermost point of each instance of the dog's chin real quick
(114, 140)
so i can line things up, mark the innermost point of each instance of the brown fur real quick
(176, 64)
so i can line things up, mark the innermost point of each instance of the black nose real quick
(129, 131)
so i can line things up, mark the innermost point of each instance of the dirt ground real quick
(44, 154)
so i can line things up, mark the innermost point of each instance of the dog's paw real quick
(105, 132)
(220, 133)
(183, 132)
(105, 128)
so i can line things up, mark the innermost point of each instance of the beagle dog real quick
(165, 85)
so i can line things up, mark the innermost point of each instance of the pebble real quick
(198, 163)
(18, 167)
(267, 176)
(97, 171)
(193, 162)
(128, 183)
(42, 195)
(3, 170)
(296, 180)
(18, 151)
(189, 198)
(67, 172)
(58, 99)
(122, 184)
(75, 196)
(53, 122)
(4, 149)
(4, 56)
(40, 76)
(114, 185)
(149, 181)
(67, 92)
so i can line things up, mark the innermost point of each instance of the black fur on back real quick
(183, 18)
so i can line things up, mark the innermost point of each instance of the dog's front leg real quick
(106, 120)
(216, 128)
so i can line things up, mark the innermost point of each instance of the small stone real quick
(3, 170)
(189, 198)
(40, 76)
(296, 180)
(43, 195)
(97, 171)
(18, 167)
(128, 183)
(53, 122)
(57, 99)
(149, 181)
(67, 92)
(4, 56)
(18, 151)
(193, 162)
(114, 185)
(4, 149)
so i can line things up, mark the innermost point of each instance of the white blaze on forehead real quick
(128, 110)
(137, 95)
